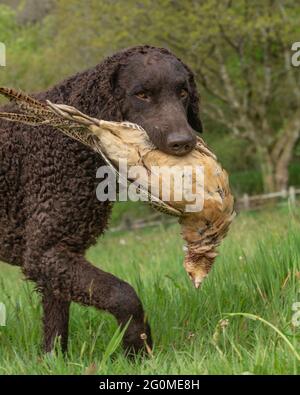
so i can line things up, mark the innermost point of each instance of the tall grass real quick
(208, 331)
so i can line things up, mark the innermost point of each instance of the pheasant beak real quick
(197, 275)
(196, 279)
(197, 282)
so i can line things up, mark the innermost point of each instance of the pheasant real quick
(202, 229)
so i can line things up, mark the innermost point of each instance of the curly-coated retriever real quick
(49, 213)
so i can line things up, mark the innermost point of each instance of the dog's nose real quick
(181, 145)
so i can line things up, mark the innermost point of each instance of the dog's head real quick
(154, 90)
(151, 87)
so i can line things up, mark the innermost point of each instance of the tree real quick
(240, 51)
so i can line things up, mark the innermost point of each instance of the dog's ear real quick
(194, 118)
(193, 112)
(94, 91)
(193, 108)
(113, 80)
(116, 91)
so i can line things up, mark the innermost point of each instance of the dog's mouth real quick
(180, 150)
(176, 145)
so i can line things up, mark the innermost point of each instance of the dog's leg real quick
(72, 278)
(55, 321)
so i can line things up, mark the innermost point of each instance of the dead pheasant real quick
(203, 229)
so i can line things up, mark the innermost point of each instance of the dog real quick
(49, 214)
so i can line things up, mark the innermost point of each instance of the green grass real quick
(256, 273)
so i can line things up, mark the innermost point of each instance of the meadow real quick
(239, 322)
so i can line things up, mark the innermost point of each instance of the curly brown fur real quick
(49, 214)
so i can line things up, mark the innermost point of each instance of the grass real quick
(240, 322)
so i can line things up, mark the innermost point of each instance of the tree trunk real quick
(275, 162)
(283, 161)
(267, 169)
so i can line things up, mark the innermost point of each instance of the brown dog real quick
(49, 214)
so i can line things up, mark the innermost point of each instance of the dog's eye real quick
(183, 93)
(142, 96)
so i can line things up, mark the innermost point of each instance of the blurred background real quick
(239, 50)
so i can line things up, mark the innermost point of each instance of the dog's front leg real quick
(69, 277)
